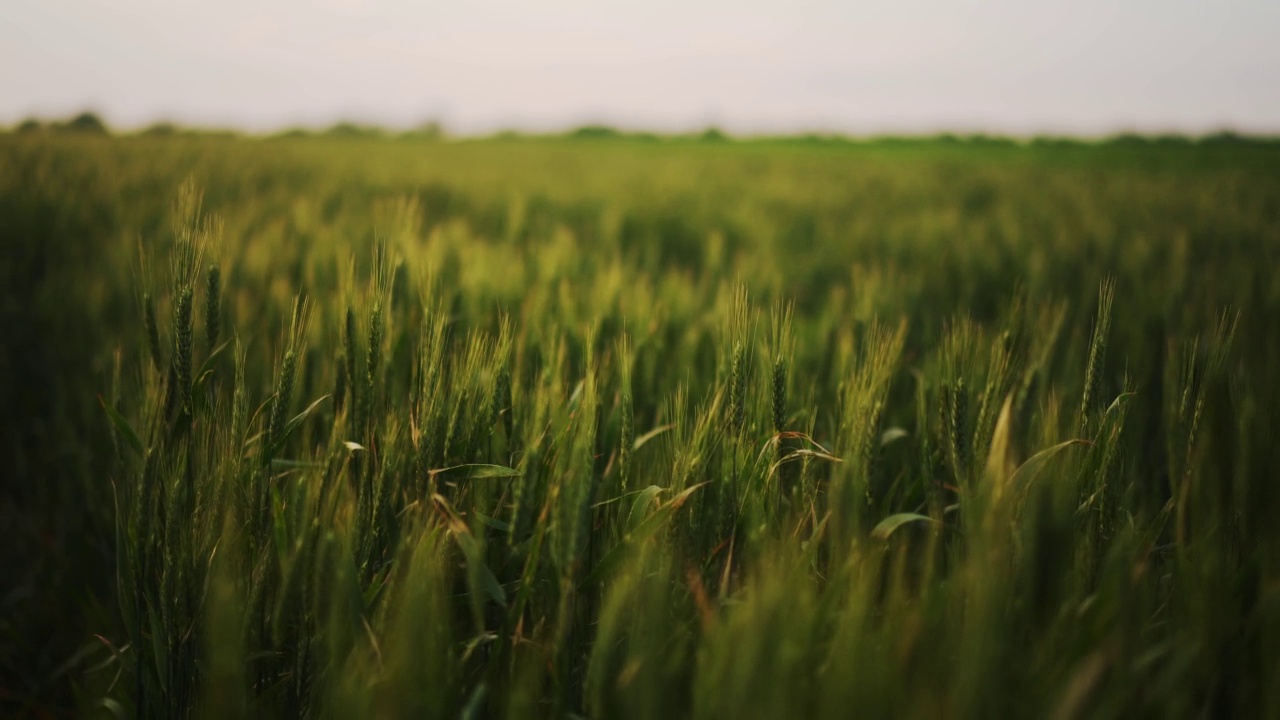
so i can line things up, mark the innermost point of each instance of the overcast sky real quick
(1019, 66)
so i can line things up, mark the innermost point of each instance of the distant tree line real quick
(89, 123)
(86, 122)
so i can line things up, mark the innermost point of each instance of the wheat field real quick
(632, 427)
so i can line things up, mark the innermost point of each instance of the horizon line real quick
(603, 128)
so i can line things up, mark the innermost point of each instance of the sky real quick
(1018, 67)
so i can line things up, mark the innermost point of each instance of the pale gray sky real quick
(1020, 66)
